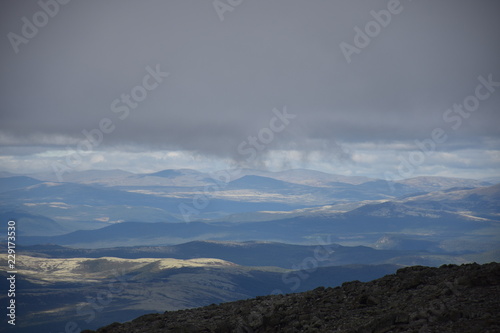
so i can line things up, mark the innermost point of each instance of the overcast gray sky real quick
(353, 108)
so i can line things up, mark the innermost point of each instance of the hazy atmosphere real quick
(187, 84)
(250, 166)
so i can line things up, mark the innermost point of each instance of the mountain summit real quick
(415, 299)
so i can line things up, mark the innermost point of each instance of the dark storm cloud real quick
(226, 77)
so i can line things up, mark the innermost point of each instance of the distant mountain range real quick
(295, 206)
(156, 197)
(189, 177)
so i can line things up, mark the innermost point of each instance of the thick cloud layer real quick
(225, 77)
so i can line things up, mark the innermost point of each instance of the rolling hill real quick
(96, 292)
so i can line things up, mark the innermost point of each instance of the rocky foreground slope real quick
(416, 299)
